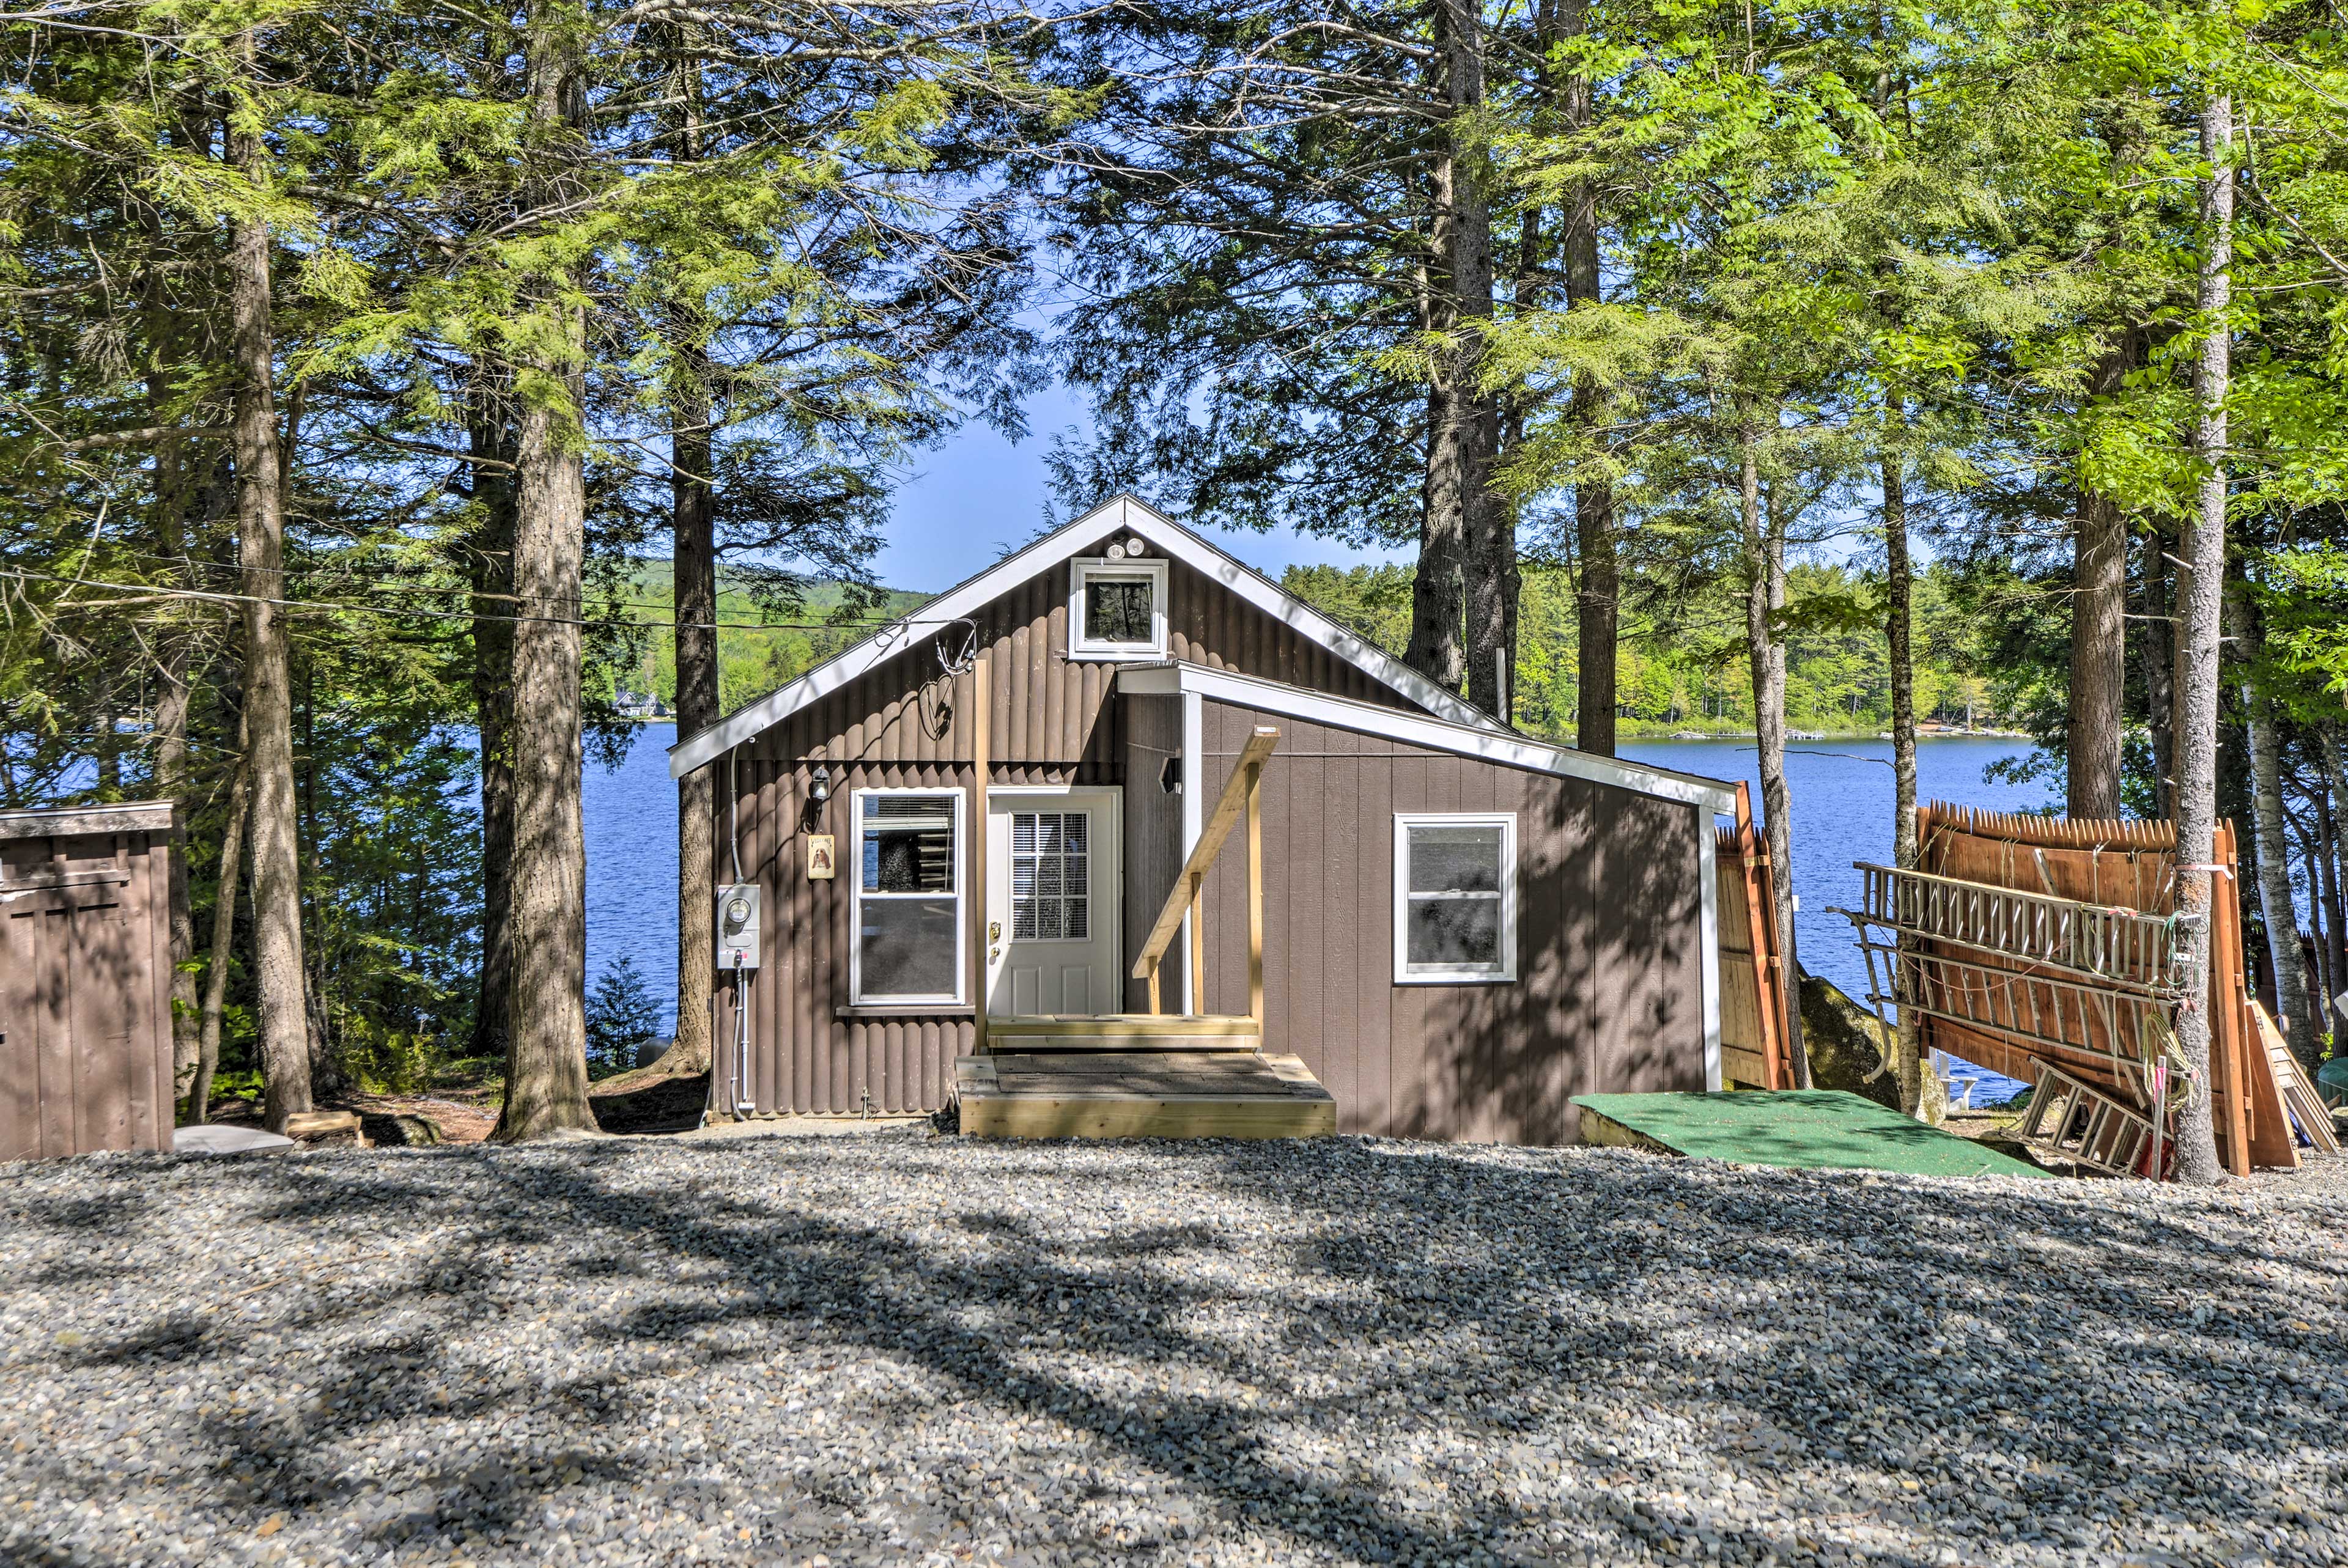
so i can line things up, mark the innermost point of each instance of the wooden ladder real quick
(2079, 1122)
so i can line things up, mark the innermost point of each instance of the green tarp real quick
(1803, 1128)
(2332, 1081)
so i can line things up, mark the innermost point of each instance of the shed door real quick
(1053, 870)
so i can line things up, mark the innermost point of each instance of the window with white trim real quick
(1117, 609)
(1455, 897)
(908, 913)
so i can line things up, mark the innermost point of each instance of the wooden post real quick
(1198, 947)
(1238, 798)
(1761, 930)
(982, 694)
(2227, 983)
(1255, 898)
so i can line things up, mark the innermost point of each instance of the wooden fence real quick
(2086, 1002)
(1753, 1029)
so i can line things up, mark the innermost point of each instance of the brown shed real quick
(84, 980)
(1462, 928)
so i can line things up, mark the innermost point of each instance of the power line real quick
(142, 591)
(323, 569)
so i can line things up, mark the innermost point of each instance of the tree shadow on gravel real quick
(1494, 1302)
(2037, 1293)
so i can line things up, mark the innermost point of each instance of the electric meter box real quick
(737, 927)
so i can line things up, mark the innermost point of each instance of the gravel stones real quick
(904, 1348)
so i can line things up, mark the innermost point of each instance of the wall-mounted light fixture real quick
(820, 789)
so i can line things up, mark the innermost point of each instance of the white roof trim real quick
(1367, 718)
(1122, 515)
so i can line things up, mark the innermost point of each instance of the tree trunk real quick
(1488, 521)
(2098, 638)
(489, 565)
(1438, 590)
(693, 563)
(2323, 898)
(171, 784)
(267, 685)
(2197, 732)
(546, 1051)
(1467, 521)
(1765, 597)
(2298, 1020)
(172, 702)
(1597, 605)
(1898, 593)
(2159, 671)
(109, 739)
(199, 1092)
(2334, 801)
(695, 558)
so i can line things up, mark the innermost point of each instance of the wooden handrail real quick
(1186, 896)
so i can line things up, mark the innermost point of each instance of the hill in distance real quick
(752, 658)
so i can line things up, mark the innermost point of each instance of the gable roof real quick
(1490, 744)
(1122, 515)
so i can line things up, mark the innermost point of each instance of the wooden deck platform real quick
(1133, 1077)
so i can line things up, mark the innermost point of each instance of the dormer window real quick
(1117, 609)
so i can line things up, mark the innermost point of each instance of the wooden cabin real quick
(1119, 793)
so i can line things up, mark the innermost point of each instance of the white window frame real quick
(856, 897)
(1083, 571)
(1504, 973)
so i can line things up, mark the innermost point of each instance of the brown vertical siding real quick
(1647, 964)
(1153, 841)
(1608, 994)
(84, 980)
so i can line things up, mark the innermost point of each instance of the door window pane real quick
(1051, 894)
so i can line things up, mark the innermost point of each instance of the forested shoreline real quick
(1770, 360)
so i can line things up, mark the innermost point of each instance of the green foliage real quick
(759, 649)
(621, 1014)
(1681, 665)
(2304, 597)
(819, 257)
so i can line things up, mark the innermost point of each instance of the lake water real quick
(1842, 812)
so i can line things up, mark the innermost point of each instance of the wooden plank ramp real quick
(1171, 1077)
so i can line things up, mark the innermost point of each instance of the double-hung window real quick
(908, 897)
(1455, 897)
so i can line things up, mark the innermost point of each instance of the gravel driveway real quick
(904, 1349)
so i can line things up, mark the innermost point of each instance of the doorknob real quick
(994, 930)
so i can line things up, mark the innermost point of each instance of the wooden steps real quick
(1172, 1078)
(1122, 1032)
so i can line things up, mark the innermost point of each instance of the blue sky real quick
(978, 496)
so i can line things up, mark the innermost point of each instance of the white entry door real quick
(1054, 870)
